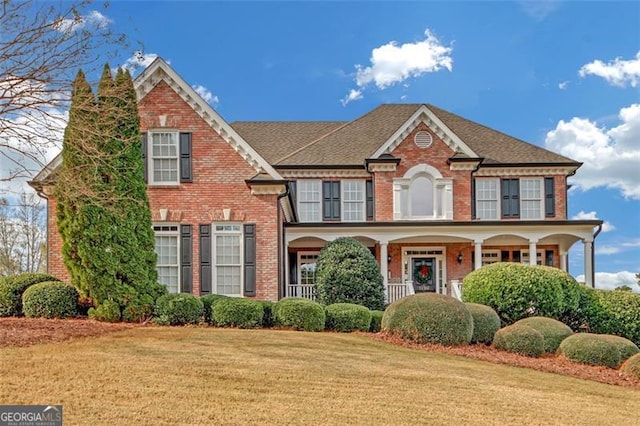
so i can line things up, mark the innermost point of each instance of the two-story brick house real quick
(244, 208)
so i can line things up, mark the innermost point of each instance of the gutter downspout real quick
(281, 254)
(593, 256)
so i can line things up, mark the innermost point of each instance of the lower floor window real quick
(307, 267)
(166, 247)
(228, 259)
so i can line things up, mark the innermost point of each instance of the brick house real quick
(244, 208)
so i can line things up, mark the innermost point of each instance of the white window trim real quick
(402, 196)
(491, 256)
(299, 261)
(176, 234)
(214, 263)
(524, 256)
(150, 157)
(363, 203)
(498, 198)
(319, 202)
(541, 198)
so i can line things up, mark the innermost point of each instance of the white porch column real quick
(588, 264)
(533, 252)
(286, 269)
(478, 255)
(563, 260)
(384, 265)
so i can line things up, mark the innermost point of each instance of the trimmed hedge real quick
(299, 314)
(626, 347)
(520, 339)
(237, 312)
(376, 321)
(591, 349)
(108, 311)
(178, 309)
(208, 302)
(485, 323)
(50, 299)
(347, 272)
(553, 331)
(632, 366)
(347, 317)
(267, 317)
(429, 318)
(12, 288)
(140, 309)
(618, 313)
(517, 291)
(588, 313)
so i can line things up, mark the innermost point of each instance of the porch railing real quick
(397, 289)
(306, 291)
(456, 289)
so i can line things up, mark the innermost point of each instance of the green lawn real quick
(157, 375)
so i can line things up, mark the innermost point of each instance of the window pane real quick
(309, 198)
(166, 247)
(228, 259)
(421, 193)
(164, 144)
(487, 198)
(353, 200)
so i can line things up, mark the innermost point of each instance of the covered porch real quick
(435, 257)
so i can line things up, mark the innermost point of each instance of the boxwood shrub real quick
(139, 309)
(485, 323)
(108, 311)
(299, 314)
(632, 366)
(517, 291)
(619, 314)
(626, 347)
(12, 287)
(520, 339)
(591, 349)
(267, 317)
(237, 312)
(347, 317)
(376, 321)
(208, 301)
(50, 299)
(429, 318)
(178, 309)
(553, 331)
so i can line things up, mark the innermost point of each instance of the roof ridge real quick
(302, 148)
(290, 122)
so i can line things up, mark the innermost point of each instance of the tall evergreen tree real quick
(116, 246)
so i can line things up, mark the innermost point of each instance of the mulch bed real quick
(33, 331)
(548, 363)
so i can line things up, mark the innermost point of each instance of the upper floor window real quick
(353, 208)
(349, 200)
(531, 198)
(309, 200)
(487, 199)
(423, 194)
(167, 157)
(525, 198)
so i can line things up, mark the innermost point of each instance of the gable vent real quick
(423, 139)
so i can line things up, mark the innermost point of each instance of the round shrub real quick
(553, 331)
(348, 317)
(299, 314)
(267, 317)
(12, 287)
(237, 312)
(589, 313)
(139, 309)
(632, 366)
(376, 321)
(179, 309)
(347, 272)
(591, 349)
(485, 323)
(50, 299)
(519, 339)
(626, 347)
(108, 311)
(429, 318)
(208, 302)
(517, 291)
(620, 314)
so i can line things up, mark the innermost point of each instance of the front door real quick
(423, 274)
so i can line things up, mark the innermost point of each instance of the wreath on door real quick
(422, 274)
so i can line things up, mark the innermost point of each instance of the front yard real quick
(194, 375)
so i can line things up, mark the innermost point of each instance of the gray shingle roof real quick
(350, 143)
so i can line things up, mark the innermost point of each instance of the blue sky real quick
(565, 75)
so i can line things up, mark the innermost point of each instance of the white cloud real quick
(607, 250)
(392, 63)
(139, 60)
(94, 19)
(539, 9)
(205, 94)
(618, 72)
(634, 243)
(610, 156)
(611, 280)
(563, 85)
(352, 96)
(582, 215)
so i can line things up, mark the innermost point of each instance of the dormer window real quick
(423, 194)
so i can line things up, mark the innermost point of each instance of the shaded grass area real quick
(156, 375)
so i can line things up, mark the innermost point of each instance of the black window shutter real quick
(505, 193)
(145, 166)
(369, 198)
(293, 268)
(473, 198)
(510, 189)
(186, 262)
(249, 259)
(205, 259)
(293, 191)
(515, 197)
(335, 192)
(549, 197)
(185, 157)
(331, 200)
